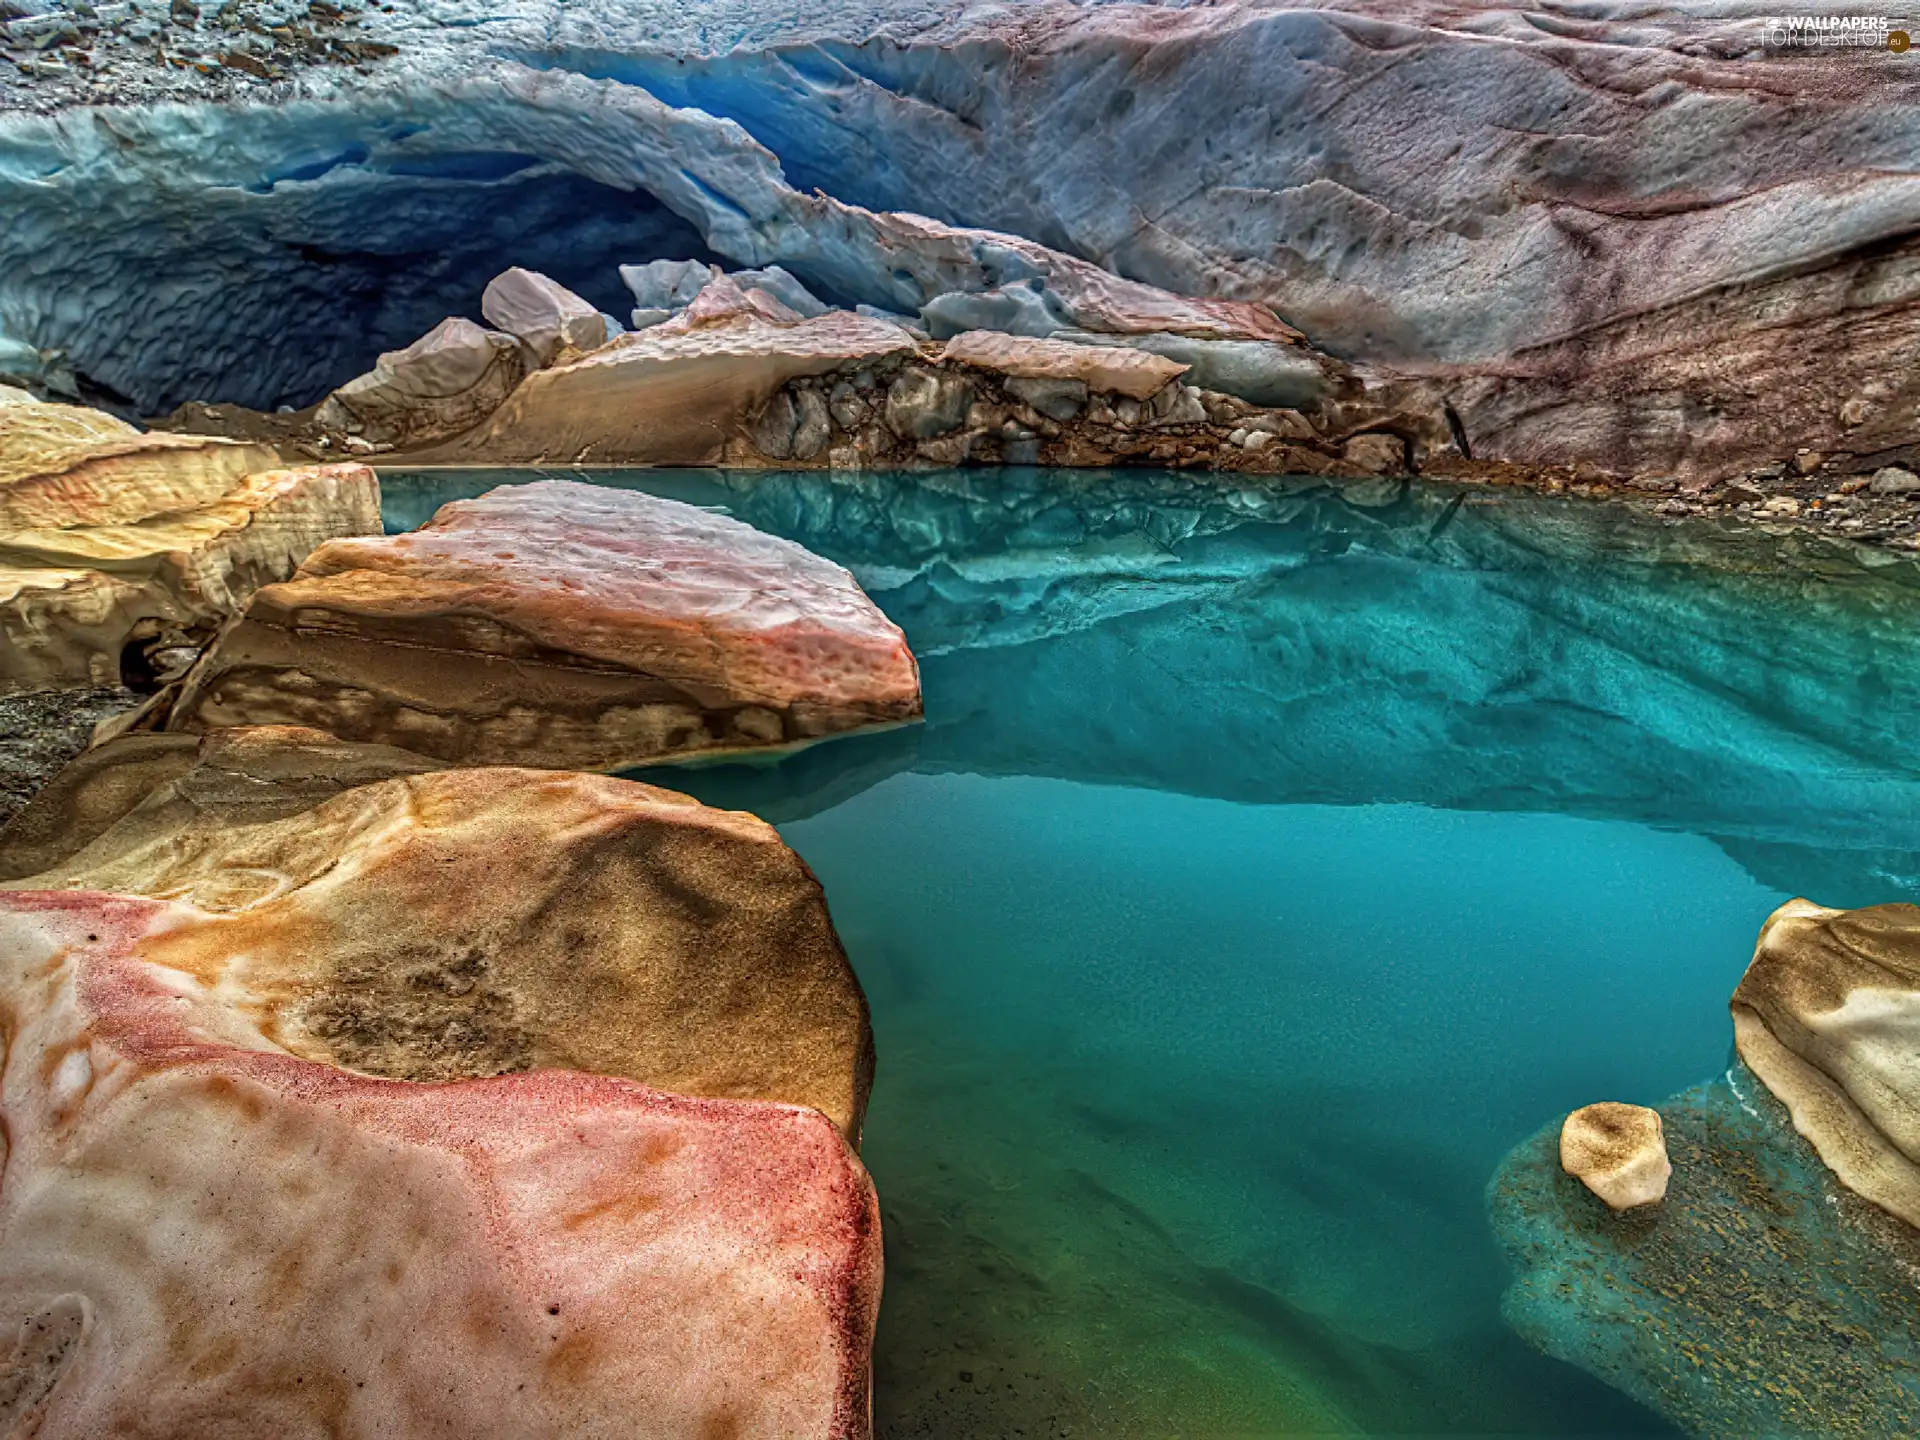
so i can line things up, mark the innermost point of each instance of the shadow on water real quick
(1270, 862)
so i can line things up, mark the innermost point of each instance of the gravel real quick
(43, 729)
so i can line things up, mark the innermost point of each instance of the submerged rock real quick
(223, 1202)
(1758, 1299)
(1767, 1297)
(1828, 1016)
(447, 381)
(1618, 1152)
(561, 624)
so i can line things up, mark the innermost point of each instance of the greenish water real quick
(1268, 867)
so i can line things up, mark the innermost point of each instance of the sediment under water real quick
(1269, 866)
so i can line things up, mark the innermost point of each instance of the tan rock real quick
(64, 465)
(1828, 1016)
(1619, 1152)
(1377, 454)
(676, 393)
(447, 381)
(561, 624)
(70, 599)
(147, 787)
(1139, 374)
(64, 627)
(224, 1200)
(394, 919)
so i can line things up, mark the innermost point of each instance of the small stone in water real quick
(1893, 480)
(1619, 1152)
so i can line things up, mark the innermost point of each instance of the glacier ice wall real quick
(1629, 234)
(264, 254)
(1406, 181)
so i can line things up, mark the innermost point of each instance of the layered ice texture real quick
(1620, 233)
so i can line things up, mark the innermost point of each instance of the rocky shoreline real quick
(595, 1039)
(876, 391)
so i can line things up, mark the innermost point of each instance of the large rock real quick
(676, 393)
(224, 1204)
(923, 403)
(225, 780)
(64, 465)
(1759, 1298)
(545, 315)
(1828, 1016)
(447, 381)
(620, 929)
(110, 537)
(72, 600)
(561, 624)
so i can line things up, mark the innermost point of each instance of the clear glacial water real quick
(1268, 867)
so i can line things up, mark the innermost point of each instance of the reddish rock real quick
(561, 624)
(203, 1234)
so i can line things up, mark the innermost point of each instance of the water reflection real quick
(1386, 643)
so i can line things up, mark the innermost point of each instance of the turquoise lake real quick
(1269, 865)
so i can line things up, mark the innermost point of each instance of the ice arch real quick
(262, 254)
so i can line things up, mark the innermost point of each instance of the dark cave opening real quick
(274, 296)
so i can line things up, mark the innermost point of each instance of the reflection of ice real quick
(1289, 646)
